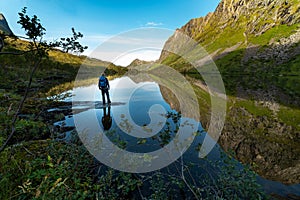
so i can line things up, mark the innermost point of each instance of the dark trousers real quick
(105, 92)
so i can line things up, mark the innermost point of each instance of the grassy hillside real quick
(59, 68)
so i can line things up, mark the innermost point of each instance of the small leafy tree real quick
(37, 50)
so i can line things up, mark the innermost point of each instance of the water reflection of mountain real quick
(167, 93)
(175, 89)
(170, 98)
(266, 144)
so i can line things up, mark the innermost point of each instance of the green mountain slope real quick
(257, 39)
(256, 47)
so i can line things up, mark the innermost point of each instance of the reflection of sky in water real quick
(139, 97)
(123, 88)
(120, 90)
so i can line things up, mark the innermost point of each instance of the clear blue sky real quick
(101, 19)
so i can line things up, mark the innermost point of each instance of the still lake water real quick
(141, 104)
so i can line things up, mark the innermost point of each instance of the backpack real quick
(102, 82)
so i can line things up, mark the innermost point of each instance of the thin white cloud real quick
(153, 24)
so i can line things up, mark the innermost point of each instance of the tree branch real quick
(184, 180)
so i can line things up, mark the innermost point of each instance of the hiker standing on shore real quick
(103, 85)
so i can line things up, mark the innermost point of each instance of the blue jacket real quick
(104, 82)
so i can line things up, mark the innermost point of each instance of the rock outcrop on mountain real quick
(4, 30)
(256, 16)
(4, 27)
(243, 19)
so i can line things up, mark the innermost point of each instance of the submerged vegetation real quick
(49, 169)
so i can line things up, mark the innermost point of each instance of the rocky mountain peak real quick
(4, 28)
(239, 21)
(138, 62)
(255, 16)
(277, 9)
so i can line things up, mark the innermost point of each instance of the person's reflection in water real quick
(106, 119)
